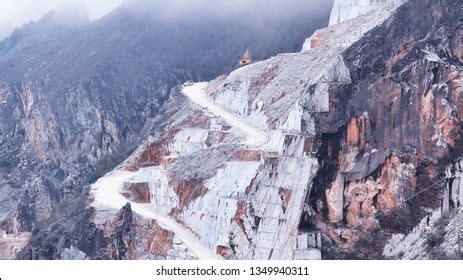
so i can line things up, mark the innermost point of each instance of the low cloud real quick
(15, 13)
(218, 8)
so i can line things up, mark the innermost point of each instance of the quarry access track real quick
(107, 194)
(107, 190)
(197, 94)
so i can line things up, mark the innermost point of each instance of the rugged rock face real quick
(235, 171)
(438, 235)
(72, 108)
(347, 149)
(395, 128)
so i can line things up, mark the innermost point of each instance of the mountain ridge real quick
(341, 151)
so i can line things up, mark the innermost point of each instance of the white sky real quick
(15, 13)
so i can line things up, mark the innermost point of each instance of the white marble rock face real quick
(250, 206)
(347, 9)
(349, 21)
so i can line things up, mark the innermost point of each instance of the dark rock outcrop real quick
(406, 97)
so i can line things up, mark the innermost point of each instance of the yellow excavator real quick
(246, 59)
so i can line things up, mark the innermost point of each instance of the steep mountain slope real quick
(55, 21)
(76, 98)
(241, 197)
(380, 145)
(344, 150)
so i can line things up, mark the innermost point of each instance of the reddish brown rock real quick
(187, 191)
(198, 120)
(223, 251)
(138, 192)
(319, 37)
(286, 196)
(135, 238)
(406, 98)
(161, 242)
(247, 155)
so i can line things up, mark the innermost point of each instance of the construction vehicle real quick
(246, 59)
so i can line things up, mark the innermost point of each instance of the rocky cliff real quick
(392, 133)
(77, 97)
(348, 149)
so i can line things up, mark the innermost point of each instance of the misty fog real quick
(15, 13)
(201, 8)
